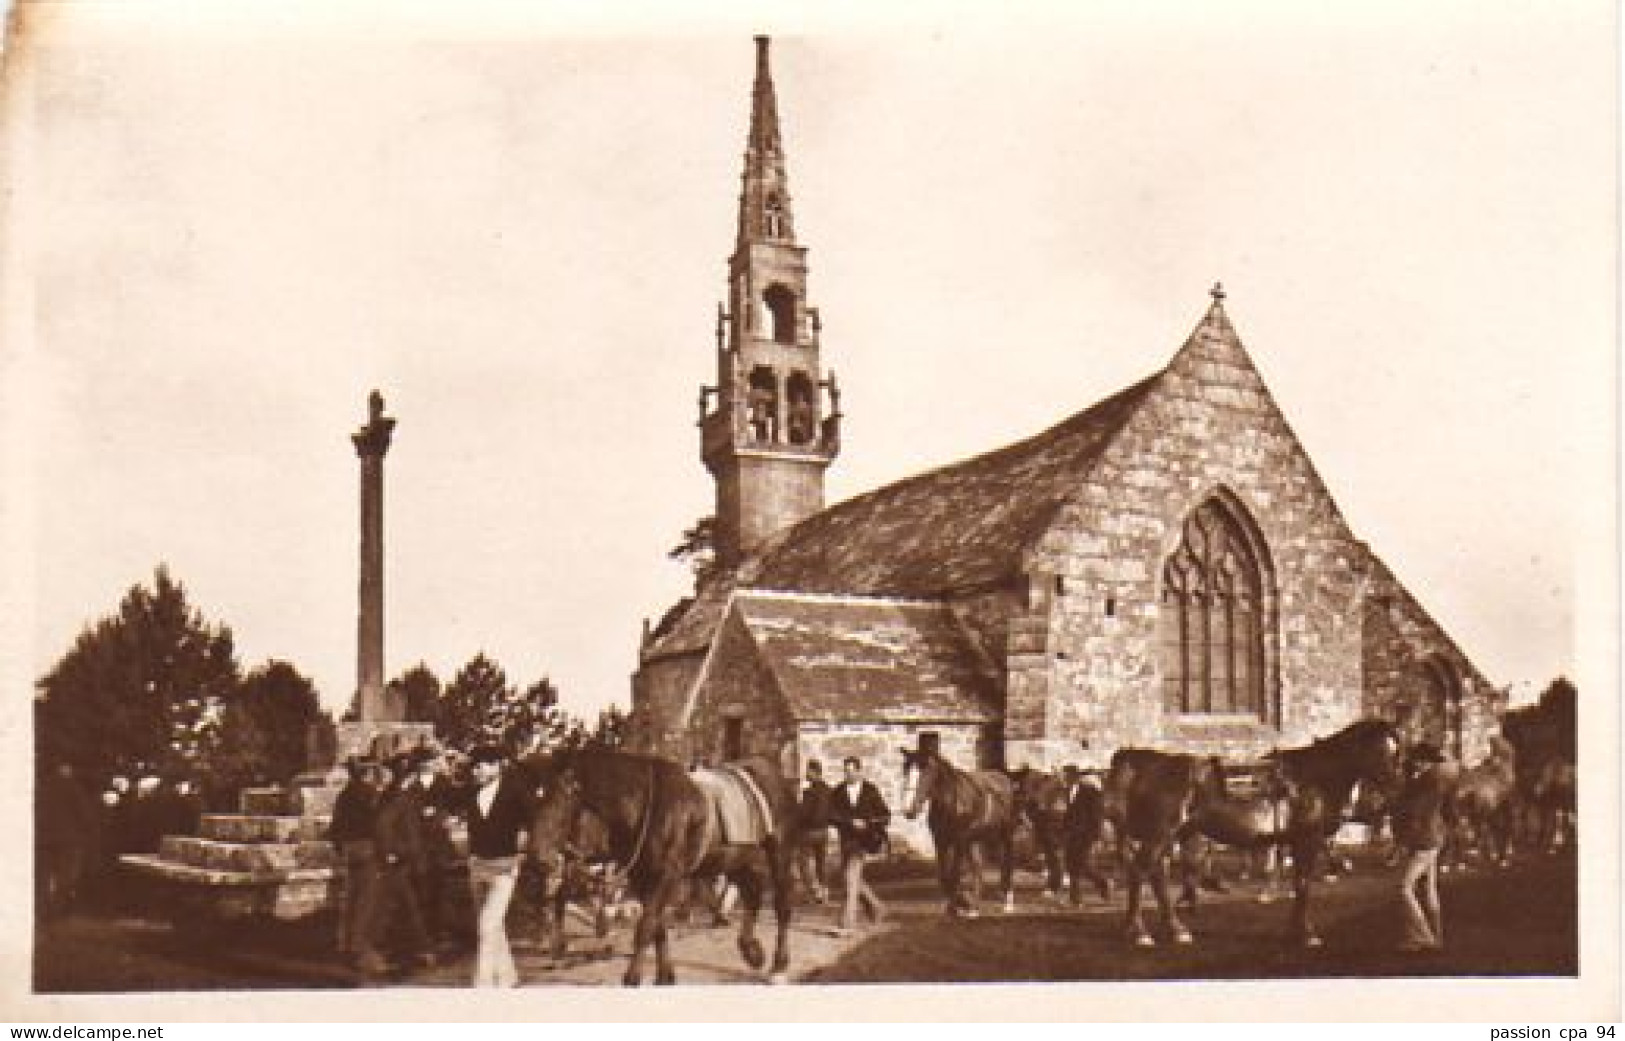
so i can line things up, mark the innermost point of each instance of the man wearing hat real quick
(1419, 829)
(398, 846)
(429, 793)
(498, 816)
(354, 813)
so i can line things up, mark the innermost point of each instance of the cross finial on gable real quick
(1217, 292)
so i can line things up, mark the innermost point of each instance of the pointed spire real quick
(764, 202)
(764, 109)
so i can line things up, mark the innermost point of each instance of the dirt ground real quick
(1521, 921)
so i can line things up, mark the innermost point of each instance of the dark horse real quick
(968, 809)
(662, 829)
(1159, 798)
(1066, 830)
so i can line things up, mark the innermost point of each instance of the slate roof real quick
(845, 660)
(961, 527)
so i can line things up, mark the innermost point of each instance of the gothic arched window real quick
(1212, 619)
(781, 305)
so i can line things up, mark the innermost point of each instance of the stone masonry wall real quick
(1210, 424)
(738, 686)
(1403, 645)
(659, 696)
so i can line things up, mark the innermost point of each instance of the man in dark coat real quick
(860, 816)
(67, 827)
(398, 846)
(499, 808)
(430, 794)
(812, 833)
(355, 812)
(1419, 829)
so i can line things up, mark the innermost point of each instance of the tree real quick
(420, 691)
(264, 729)
(1559, 705)
(470, 702)
(612, 730)
(608, 734)
(143, 688)
(698, 549)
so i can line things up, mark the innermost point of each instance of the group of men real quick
(392, 825)
(858, 813)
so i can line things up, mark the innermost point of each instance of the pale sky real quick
(222, 234)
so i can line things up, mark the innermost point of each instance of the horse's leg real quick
(973, 860)
(559, 907)
(655, 898)
(1306, 849)
(665, 974)
(1159, 886)
(1082, 864)
(779, 858)
(1050, 843)
(948, 874)
(1192, 847)
(1135, 863)
(1007, 869)
(749, 880)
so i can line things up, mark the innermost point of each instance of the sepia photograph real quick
(778, 501)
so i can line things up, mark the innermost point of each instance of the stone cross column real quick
(371, 443)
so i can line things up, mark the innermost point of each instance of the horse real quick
(664, 829)
(1157, 799)
(968, 809)
(1067, 831)
(1237, 819)
(1482, 807)
(1555, 791)
(1544, 766)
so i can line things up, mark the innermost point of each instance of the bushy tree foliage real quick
(263, 729)
(698, 549)
(479, 705)
(420, 692)
(143, 688)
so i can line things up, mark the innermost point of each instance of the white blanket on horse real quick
(739, 808)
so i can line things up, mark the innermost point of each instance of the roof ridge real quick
(855, 599)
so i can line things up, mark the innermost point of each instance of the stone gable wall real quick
(1209, 424)
(737, 684)
(1401, 644)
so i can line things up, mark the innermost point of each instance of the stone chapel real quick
(1164, 569)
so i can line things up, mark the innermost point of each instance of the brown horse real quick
(968, 810)
(1067, 831)
(1237, 818)
(1544, 740)
(663, 829)
(1482, 808)
(1159, 798)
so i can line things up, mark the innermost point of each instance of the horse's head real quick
(920, 772)
(557, 809)
(1378, 752)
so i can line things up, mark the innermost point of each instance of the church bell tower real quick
(771, 425)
